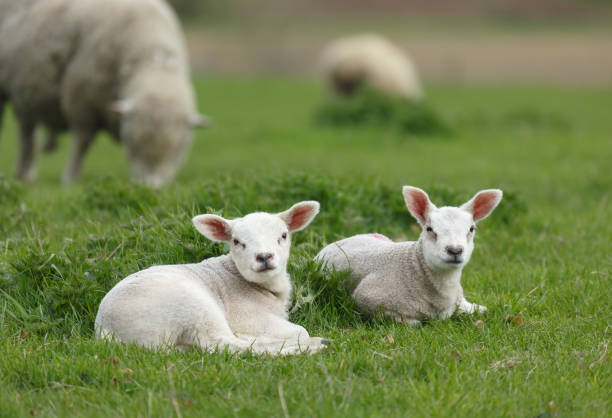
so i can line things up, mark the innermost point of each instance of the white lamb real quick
(236, 301)
(413, 281)
(371, 60)
(92, 65)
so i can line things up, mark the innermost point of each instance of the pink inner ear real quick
(419, 204)
(217, 229)
(299, 217)
(483, 205)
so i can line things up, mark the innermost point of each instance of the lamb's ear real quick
(418, 203)
(213, 227)
(300, 215)
(483, 203)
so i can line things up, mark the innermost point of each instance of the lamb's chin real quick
(443, 265)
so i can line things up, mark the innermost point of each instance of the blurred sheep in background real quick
(369, 60)
(93, 65)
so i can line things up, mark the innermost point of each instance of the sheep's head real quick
(448, 232)
(156, 132)
(259, 242)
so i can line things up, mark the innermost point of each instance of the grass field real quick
(542, 261)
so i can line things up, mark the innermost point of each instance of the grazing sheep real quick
(371, 60)
(413, 281)
(90, 65)
(237, 301)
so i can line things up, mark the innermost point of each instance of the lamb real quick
(92, 65)
(348, 63)
(236, 301)
(414, 281)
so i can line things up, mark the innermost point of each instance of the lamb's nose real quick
(454, 251)
(264, 257)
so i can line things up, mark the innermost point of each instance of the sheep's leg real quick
(257, 345)
(277, 329)
(213, 332)
(51, 142)
(25, 166)
(282, 346)
(287, 346)
(470, 308)
(82, 139)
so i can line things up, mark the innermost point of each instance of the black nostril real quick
(262, 258)
(454, 250)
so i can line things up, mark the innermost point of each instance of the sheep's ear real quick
(213, 227)
(483, 203)
(418, 203)
(122, 107)
(300, 215)
(200, 121)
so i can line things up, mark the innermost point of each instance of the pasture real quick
(541, 264)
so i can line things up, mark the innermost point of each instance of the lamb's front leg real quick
(466, 307)
(294, 337)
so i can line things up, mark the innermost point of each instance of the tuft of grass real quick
(10, 190)
(111, 194)
(370, 108)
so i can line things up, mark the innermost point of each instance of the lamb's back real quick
(362, 254)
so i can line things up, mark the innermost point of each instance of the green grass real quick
(543, 256)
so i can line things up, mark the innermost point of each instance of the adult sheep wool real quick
(369, 60)
(92, 65)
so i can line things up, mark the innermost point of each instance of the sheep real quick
(414, 281)
(92, 65)
(236, 301)
(371, 60)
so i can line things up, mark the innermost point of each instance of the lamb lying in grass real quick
(236, 301)
(413, 281)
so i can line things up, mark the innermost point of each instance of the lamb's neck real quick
(278, 287)
(442, 281)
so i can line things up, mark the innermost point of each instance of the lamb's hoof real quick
(481, 309)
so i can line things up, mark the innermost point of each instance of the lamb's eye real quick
(236, 242)
(472, 228)
(429, 229)
(284, 236)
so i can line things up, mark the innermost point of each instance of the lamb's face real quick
(448, 238)
(259, 246)
(448, 232)
(259, 242)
